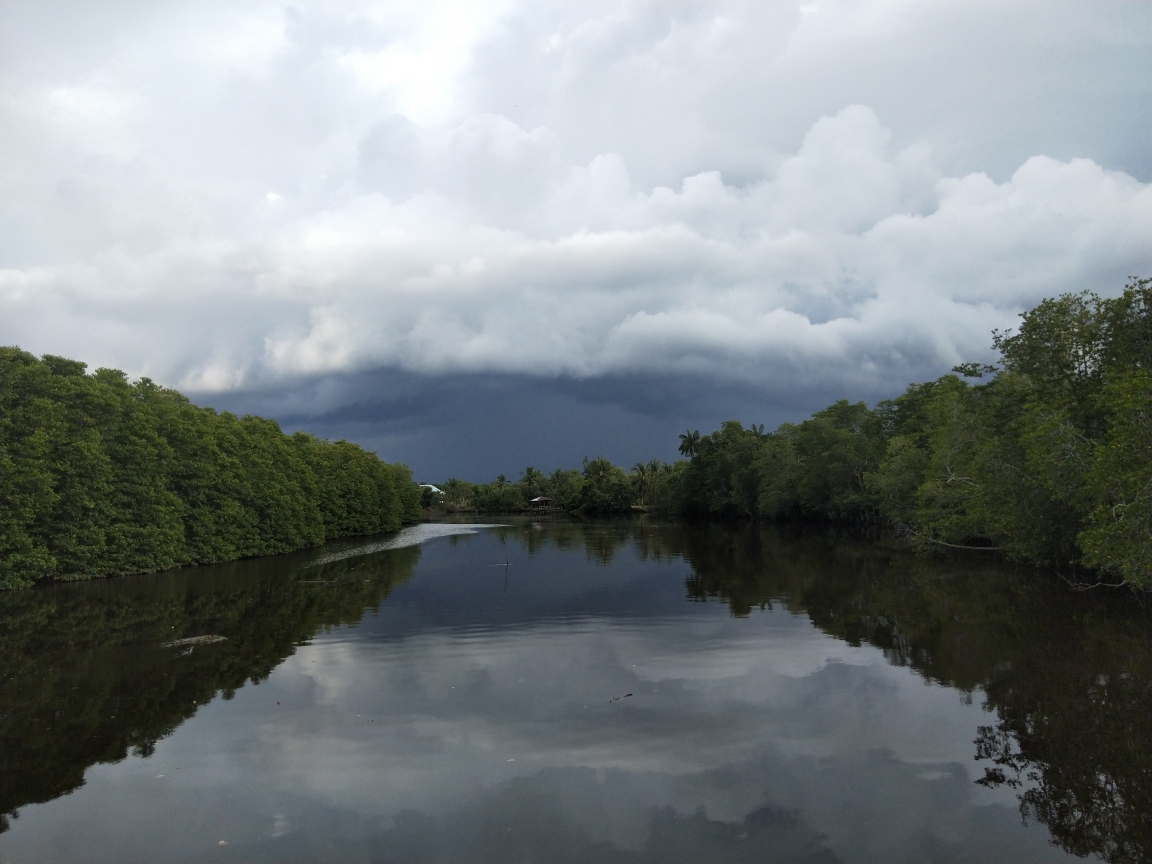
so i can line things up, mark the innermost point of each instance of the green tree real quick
(642, 480)
(689, 443)
(532, 482)
(604, 488)
(102, 476)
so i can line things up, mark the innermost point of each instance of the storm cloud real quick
(269, 205)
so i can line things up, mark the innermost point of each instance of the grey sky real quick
(786, 203)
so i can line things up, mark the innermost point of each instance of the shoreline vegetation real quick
(1048, 462)
(101, 477)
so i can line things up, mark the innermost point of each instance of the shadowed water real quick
(629, 691)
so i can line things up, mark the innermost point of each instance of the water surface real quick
(624, 691)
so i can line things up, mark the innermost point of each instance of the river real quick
(617, 691)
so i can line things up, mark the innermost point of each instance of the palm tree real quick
(690, 443)
(457, 493)
(656, 470)
(599, 471)
(641, 479)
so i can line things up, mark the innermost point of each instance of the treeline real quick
(1049, 461)
(599, 487)
(99, 476)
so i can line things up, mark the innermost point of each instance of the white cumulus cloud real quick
(580, 190)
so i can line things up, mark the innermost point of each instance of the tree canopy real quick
(101, 476)
(1050, 461)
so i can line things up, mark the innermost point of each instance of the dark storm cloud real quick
(476, 426)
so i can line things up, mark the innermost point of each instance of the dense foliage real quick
(1050, 461)
(101, 476)
(598, 487)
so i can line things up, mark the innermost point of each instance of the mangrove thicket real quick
(100, 476)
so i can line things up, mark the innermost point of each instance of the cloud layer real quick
(786, 196)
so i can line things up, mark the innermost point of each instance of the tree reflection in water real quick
(84, 679)
(1067, 674)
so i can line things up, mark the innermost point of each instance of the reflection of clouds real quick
(360, 747)
(778, 709)
(544, 694)
(430, 780)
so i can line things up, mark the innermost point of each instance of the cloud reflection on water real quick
(389, 741)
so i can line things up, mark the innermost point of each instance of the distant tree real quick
(499, 497)
(604, 488)
(647, 479)
(429, 497)
(600, 472)
(690, 443)
(458, 494)
(532, 482)
(641, 478)
(563, 487)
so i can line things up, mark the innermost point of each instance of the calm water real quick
(630, 691)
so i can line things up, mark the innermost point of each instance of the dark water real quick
(794, 697)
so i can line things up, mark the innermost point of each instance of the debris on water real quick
(194, 640)
(617, 698)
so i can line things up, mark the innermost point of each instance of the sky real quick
(474, 237)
